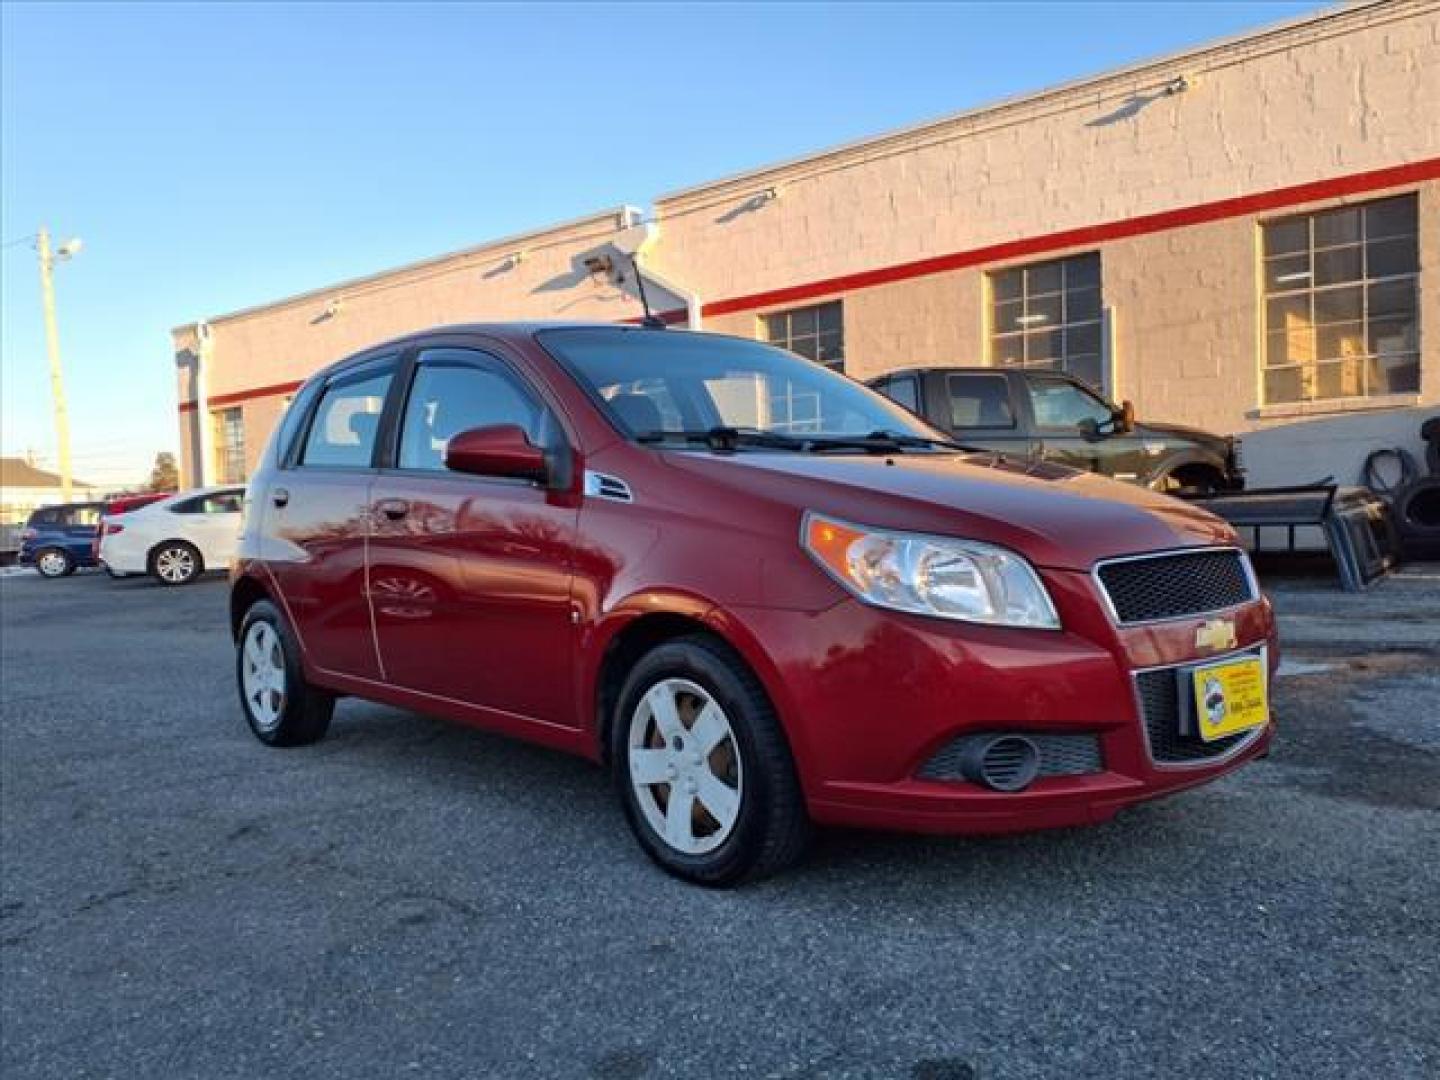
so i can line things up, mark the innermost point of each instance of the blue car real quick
(59, 539)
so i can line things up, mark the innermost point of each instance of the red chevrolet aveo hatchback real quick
(765, 595)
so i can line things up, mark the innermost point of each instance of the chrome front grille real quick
(1176, 584)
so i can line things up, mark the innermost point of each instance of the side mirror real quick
(1125, 418)
(499, 450)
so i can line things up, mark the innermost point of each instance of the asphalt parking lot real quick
(410, 898)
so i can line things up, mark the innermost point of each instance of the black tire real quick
(53, 562)
(1197, 483)
(771, 828)
(304, 716)
(184, 557)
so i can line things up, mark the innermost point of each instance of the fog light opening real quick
(1002, 763)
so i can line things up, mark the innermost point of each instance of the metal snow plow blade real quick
(1354, 520)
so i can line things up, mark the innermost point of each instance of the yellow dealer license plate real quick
(1229, 697)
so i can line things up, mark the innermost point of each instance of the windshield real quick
(655, 382)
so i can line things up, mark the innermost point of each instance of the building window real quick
(816, 333)
(1340, 303)
(230, 440)
(1047, 315)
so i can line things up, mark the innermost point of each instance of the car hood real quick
(1207, 439)
(1054, 516)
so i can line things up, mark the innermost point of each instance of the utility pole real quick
(52, 346)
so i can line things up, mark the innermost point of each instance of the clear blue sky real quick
(216, 156)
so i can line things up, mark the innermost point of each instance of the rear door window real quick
(217, 502)
(980, 401)
(347, 422)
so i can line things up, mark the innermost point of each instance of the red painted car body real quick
(514, 607)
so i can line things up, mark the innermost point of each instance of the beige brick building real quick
(1244, 237)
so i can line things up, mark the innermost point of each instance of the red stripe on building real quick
(1202, 213)
(1280, 198)
(219, 401)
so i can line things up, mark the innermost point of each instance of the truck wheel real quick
(54, 562)
(704, 770)
(281, 708)
(1185, 483)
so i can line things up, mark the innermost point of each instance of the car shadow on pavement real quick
(568, 800)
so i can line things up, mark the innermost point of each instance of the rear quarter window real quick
(292, 421)
(980, 401)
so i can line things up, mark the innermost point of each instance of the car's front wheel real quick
(704, 769)
(54, 563)
(176, 563)
(280, 706)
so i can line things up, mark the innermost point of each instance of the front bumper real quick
(889, 691)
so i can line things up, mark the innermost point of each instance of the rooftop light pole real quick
(66, 250)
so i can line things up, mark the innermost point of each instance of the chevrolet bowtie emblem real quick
(1215, 635)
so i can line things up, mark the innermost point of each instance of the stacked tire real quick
(1417, 504)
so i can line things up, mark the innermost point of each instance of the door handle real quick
(394, 509)
(280, 496)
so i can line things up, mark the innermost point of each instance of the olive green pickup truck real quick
(1055, 417)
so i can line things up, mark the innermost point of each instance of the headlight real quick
(931, 575)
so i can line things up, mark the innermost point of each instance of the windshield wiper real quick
(728, 439)
(724, 439)
(880, 442)
(907, 439)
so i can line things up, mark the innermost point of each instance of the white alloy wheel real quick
(52, 563)
(262, 673)
(685, 766)
(175, 565)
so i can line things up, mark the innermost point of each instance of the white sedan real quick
(176, 539)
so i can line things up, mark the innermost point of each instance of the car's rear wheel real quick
(54, 563)
(704, 769)
(280, 706)
(176, 563)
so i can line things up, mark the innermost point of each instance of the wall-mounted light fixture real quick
(1178, 85)
(599, 267)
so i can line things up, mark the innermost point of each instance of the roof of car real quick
(505, 331)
